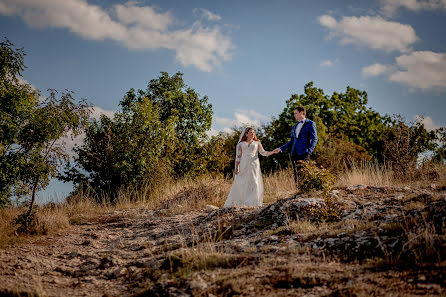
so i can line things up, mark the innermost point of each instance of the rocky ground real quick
(359, 241)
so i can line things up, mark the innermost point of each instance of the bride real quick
(247, 189)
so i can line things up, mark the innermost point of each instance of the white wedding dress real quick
(247, 189)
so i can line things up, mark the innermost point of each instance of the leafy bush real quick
(313, 178)
(337, 155)
(28, 223)
(404, 143)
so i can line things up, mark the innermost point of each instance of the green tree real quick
(193, 118)
(158, 132)
(31, 129)
(439, 154)
(129, 150)
(342, 115)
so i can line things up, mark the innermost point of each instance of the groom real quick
(303, 141)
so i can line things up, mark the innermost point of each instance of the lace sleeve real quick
(261, 150)
(238, 155)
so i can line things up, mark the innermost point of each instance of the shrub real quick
(338, 155)
(313, 178)
(28, 223)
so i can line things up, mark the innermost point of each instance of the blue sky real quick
(248, 57)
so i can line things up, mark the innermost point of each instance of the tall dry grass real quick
(370, 174)
(194, 194)
(279, 185)
(373, 174)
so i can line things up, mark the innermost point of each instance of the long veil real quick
(238, 148)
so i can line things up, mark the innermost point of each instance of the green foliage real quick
(337, 155)
(349, 131)
(30, 128)
(313, 178)
(216, 156)
(228, 150)
(125, 150)
(439, 154)
(192, 114)
(158, 132)
(340, 116)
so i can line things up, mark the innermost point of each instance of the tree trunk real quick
(33, 197)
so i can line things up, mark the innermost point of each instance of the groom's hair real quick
(300, 109)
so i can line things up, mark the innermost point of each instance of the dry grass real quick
(372, 174)
(367, 174)
(278, 185)
(82, 208)
(188, 194)
(53, 217)
(50, 218)
(192, 194)
(7, 236)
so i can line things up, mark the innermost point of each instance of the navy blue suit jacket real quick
(305, 142)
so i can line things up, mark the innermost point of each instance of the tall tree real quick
(157, 131)
(193, 118)
(31, 129)
(127, 150)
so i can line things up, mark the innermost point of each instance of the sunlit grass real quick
(187, 194)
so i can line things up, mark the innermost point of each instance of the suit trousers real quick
(297, 165)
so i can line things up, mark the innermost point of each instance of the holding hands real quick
(273, 152)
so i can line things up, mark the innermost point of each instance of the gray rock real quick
(198, 283)
(356, 187)
(211, 207)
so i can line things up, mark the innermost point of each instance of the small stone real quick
(356, 187)
(211, 207)
(400, 196)
(198, 283)
(55, 281)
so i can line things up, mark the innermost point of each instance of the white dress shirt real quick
(299, 126)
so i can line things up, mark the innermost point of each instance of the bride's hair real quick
(244, 138)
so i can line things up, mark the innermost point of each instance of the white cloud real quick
(136, 27)
(212, 132)
(375, 70)
(70, 141)
(328, 63)
(428, 123)
(389, 7)
(97, 112)
(210, 16)
(372, 32)
(228, 130)
(424, 70)
(146, 17)
(241, 117)
(23, 81)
